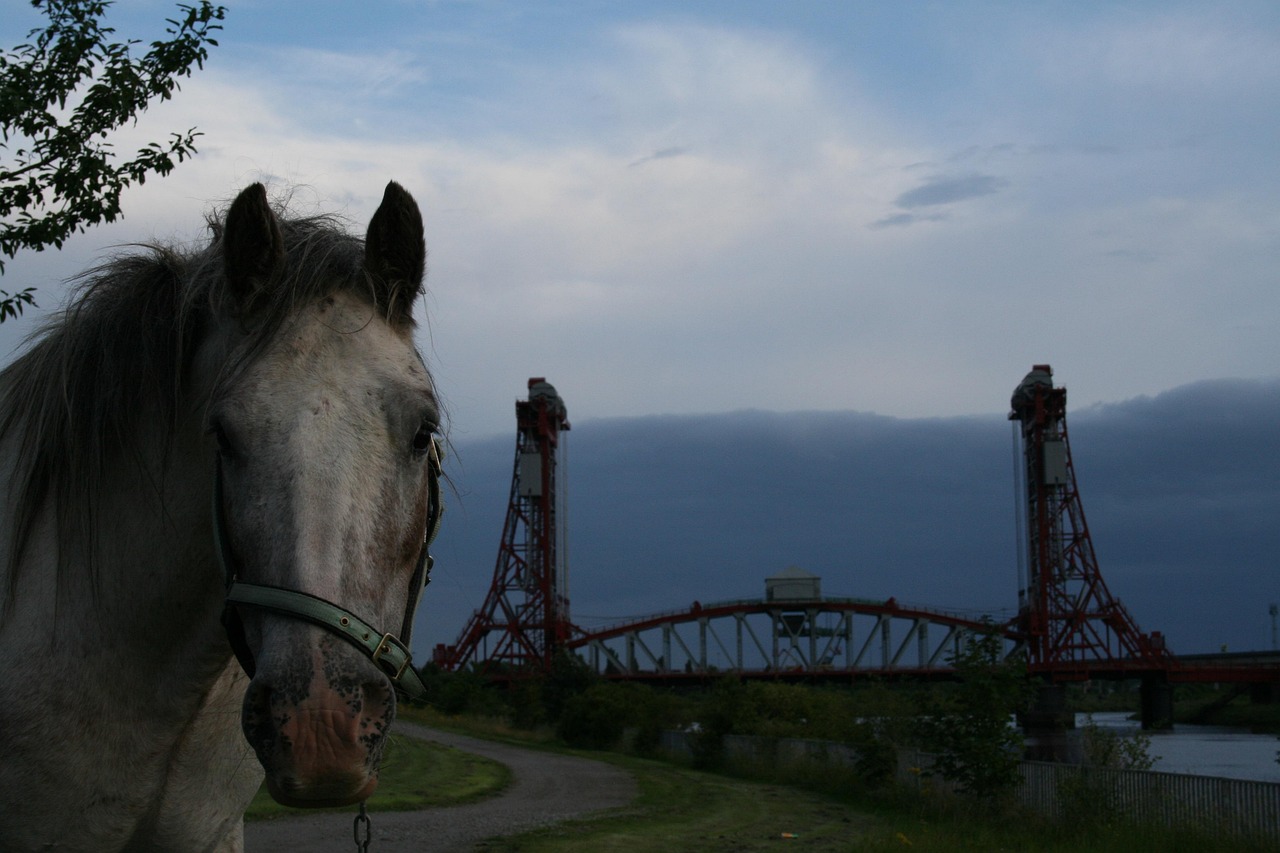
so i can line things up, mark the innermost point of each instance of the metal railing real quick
(1226, 807)
(1239, 808)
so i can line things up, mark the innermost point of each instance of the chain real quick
(363, 827)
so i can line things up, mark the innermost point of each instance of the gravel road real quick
(546, 789)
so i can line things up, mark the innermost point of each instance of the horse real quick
(219, 473)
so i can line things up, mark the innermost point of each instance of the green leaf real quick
(64, 175)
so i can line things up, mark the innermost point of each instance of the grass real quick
(685, 810)
(681, 809)
(415, 775)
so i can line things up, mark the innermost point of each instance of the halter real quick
(389, 653)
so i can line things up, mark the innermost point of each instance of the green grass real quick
(415, 775)
(681, 810)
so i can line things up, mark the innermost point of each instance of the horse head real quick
(324, 436)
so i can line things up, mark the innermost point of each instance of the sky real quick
(688, 209)
(702, 207)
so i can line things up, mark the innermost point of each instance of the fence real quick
(1223, 806)
(1227, 807)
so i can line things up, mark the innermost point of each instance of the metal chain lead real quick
(363, 823)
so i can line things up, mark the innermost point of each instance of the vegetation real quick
(61, 97)
(1105, 748)
(976, 747)
(736, 804)
(718, 802)
(1224, 706)
(684, 809)
(755, 806)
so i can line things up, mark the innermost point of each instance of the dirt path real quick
(546, 789)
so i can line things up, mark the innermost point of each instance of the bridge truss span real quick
(835, 638)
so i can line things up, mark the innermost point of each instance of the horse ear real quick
(252, 245)
(395, 253)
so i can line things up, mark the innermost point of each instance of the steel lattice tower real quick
(1065, 610)
(525, 617)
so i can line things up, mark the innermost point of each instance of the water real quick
(1202, 750)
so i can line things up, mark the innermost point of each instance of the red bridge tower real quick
(525, 617)
(1072, 625)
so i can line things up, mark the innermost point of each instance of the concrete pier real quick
(1047, 727)
(1157, 701)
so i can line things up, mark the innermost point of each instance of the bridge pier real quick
(1045, 726)
(1157, 701)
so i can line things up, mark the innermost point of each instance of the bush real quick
(569, 677)
(1106, 748)
(596, 719)
(977, 748)
(456, 693)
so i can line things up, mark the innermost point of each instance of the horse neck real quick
(122, 680)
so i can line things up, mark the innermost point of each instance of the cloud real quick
(938, 191)
(901, 220)
(661, 154)
(726, 216)
(1180, 491)
(948, 190)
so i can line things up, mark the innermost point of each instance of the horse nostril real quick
(257, 699)
(379, 701)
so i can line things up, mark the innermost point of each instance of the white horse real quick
(241, 434)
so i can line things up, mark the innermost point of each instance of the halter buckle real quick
(388, 647)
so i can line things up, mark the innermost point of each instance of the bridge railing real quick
(826, 637)
(698, 610)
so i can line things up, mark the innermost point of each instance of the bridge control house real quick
(793, 584)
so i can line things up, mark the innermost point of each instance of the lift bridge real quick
(791, 633)
(1068, 625)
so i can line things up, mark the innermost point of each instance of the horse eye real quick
(423, 439)
(220, 436)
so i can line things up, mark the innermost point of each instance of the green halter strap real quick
(387, 651)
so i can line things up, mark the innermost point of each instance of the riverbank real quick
(1237, 712)
(1201, 705)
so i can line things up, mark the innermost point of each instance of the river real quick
(1202, 750)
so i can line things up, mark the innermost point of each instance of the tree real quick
(61, 96)
(976, 745)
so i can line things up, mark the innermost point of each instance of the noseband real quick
(387, 651)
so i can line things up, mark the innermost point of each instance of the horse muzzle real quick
(318, 725)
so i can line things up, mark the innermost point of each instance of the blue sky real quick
(678, 208)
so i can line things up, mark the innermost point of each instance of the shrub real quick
(596, 719)
(977, 748)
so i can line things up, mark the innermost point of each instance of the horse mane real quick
(119, 357)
